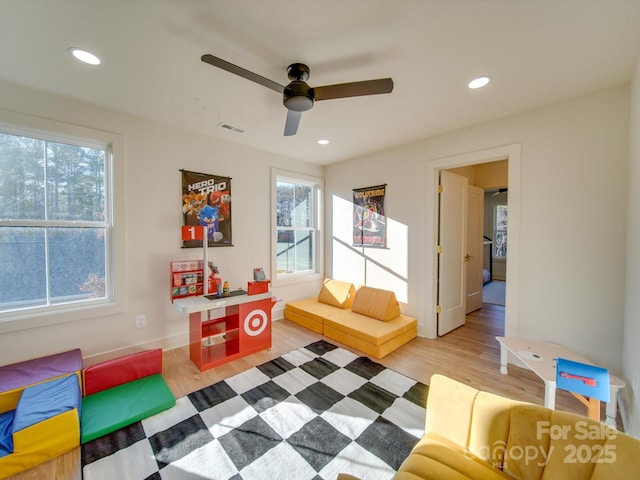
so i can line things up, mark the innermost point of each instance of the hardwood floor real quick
(469, 354)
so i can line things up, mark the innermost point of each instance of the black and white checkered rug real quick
(310, 414)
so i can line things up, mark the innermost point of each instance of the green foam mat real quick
(117, 407)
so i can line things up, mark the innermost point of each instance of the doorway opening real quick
(472, 240)
(495, 244)
(510, 155)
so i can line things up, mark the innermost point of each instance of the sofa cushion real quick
(620, 458)
(438, 458)
(336, 293)
(490, 420)
(376, 303)
(367, 329)
(580, 447)
(523, 431)
(371, 349)
(309, 313)
(450, 396)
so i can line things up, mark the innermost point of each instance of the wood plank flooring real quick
(469, 354)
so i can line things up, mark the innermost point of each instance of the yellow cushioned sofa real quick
(368, 319)
(471, 434)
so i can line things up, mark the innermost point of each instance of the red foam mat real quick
(118, 371)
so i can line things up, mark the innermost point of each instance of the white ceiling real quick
(537, 51)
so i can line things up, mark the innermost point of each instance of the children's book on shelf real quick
(186, 278)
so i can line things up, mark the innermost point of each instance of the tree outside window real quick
(500, 231)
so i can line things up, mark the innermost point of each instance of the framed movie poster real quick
(206, 202)
(369, 220)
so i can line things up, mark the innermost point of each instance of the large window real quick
(297, 242)
(56, 229)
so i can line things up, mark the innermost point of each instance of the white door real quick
(475, 232)
(452, 250)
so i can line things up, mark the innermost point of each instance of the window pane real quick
(77, 265)
(501, 217)
(294, 205)
(23, 273)
(500, 237)
(284, 202)
(294, 251)
(501, 244)
(304, 251)
(303, 213)
(21, 178)
(77, 259)
(285, 256)
(75, 183)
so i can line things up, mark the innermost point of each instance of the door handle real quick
(467, 257)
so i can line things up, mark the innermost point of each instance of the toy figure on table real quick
(215, 283)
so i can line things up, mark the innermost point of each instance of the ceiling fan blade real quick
(242, 72)
(291, 125)
(353, 89)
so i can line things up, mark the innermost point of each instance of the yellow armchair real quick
(470, 434)
(474, 434)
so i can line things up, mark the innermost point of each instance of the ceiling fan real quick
(299, 97)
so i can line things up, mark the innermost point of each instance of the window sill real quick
(25, 321)
(296, 278)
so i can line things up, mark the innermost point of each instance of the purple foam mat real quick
(37, 370)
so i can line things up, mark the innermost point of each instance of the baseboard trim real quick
(630, 427)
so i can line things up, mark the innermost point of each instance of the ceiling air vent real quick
(230, 127)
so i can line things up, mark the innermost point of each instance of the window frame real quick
(317, 183)
(115, 264)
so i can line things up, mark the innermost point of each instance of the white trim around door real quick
(513, 154)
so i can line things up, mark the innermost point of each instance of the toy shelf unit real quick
(227, 328)
(186, 278)
(220, 336)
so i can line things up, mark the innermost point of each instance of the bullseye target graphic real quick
(255, 323)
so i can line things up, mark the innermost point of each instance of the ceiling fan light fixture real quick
(297, 96)
(479, 82)
(84, 56)
(298, 103)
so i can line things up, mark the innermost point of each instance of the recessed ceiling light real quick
(323, 142)
(479, 82)
(84, 56)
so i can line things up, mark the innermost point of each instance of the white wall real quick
(154, 153)
(571, 273)
(631, 359)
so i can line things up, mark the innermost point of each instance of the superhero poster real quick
(206, 202)
(369, 221)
